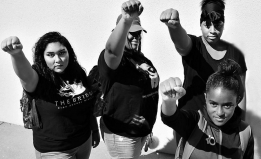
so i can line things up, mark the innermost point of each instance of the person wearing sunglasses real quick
(129, 82)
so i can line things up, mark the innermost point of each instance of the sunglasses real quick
(135, 34)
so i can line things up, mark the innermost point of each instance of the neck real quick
(217, 51)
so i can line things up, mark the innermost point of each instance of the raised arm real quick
(171, 90)
(23, 69)
(178, 35)
(115, 45)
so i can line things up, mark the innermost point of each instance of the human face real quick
(133, 40)
(221, 104)
(212, 31)
(56, 57)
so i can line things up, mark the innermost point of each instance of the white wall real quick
(87, 24)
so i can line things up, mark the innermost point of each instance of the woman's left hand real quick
(95, 138)
(140, 121)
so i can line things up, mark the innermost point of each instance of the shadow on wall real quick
(255, 121)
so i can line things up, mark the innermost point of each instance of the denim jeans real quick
(81, 152)
(120, 147)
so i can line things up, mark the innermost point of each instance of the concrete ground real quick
(16, 143)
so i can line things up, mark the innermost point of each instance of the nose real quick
(57, 58)
(212, 28)
(220, 111)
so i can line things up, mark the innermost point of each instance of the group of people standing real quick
(213, 90)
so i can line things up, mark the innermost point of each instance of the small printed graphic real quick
(71, 90)
(211, 140)
(152, 74)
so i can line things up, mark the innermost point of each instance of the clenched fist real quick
(171, 89)
(131, 9)
(170, 17)
(12, 45)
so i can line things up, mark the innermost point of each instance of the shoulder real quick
(236, 54)
(195, 42)
(194, 39)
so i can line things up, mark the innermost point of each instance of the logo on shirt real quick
(211, 140)
(71, 90)
(151, 72)
(74, 94)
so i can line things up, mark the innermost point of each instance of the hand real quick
(131, 9)
(170, 17)
(140, 121)
(171, 89)
(95, 138)
(12, 45)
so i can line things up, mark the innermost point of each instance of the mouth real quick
(219, 119)
(58, 66)
(212, 37)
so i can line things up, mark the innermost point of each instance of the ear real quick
(205, 96)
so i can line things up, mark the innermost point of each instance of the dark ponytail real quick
(228, 77)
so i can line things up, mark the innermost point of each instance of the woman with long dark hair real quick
(63, 97)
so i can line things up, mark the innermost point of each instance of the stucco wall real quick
(87, 25)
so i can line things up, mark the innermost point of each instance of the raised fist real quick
(12, 45)
(170, 17)
(131, 9)
(171, 89)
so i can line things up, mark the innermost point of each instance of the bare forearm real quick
(180, 39)
(28, 77)
(168, 107)
(22, 67)
(116, 42)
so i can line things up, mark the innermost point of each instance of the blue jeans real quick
(81, 152)
(120, 147)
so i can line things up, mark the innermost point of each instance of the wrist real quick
(169, 102)
(17, 54)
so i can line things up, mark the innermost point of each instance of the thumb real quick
(172, 22)
(17, 46)
(181, 91)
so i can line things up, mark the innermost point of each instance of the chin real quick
(220, 123)
(59, 71)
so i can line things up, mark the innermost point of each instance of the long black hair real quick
(228, 77)
(73, 69)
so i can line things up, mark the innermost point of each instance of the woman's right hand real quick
(171, 89)
(170, 17)
(12, 45)
(131, 9)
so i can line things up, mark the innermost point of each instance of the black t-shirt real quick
(125, 90)
(198, 66)
(65, 115)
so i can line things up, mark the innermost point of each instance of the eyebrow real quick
(228, 103)
(57, 51)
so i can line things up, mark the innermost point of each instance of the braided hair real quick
(228, 77)
(212, 10)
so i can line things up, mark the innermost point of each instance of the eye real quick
(227, 106)
(62, 52)
(207, 24)
(213, 104)
(50, 54)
